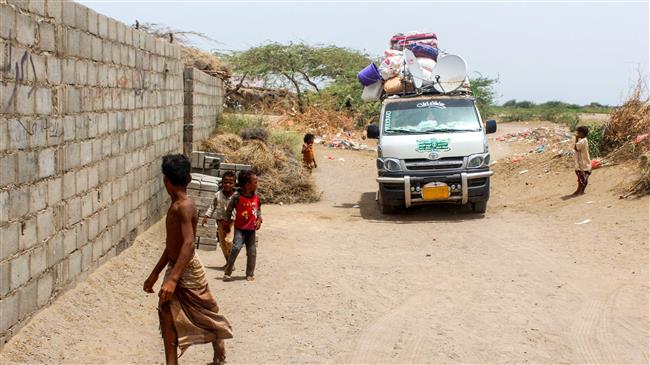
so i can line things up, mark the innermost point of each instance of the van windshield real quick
(431, 116)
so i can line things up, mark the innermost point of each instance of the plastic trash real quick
(342, 159)
(517, 158)
(595, 164)
(640, 138)
(330, 158)
(523, 172)
(540, 149)
(584, 221)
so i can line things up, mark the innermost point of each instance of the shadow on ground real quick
(369, 210)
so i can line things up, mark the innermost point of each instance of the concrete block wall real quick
(204, 98)
(88, 106)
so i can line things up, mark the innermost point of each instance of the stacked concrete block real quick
(203, 99)
(88, 106)
(202, 190)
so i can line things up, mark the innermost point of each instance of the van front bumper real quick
(474, 187)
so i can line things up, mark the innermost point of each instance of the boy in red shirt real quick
(248, 220)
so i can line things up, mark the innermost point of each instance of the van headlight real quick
(389, 164)
(478, 161)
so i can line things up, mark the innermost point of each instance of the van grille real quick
(446, 163)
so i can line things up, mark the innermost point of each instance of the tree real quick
(510, 103)
(298, 66)
(483, 90)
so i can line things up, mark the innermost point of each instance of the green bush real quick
(287, 140)
(568, 119)
(595, 138)
(235, 123)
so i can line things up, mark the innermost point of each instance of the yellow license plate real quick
(435, 191)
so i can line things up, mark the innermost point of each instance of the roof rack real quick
(426, 90)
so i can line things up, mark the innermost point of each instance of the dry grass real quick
(318, 121)
(626, 123)
(205, 62)
(282, 176)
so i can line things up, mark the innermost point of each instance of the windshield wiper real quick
(448, 130)
(403, 131)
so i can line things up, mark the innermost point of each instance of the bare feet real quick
(219, 352)
(250, 278)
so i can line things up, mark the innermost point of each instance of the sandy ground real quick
(337, 282)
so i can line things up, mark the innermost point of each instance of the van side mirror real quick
(373, 131)
(490, 126)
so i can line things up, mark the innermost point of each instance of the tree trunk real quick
(296, 85)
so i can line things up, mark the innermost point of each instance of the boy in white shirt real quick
(582, 159)
(218, 209)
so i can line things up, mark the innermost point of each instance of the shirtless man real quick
(188, 312)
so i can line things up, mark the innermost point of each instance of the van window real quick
(431, 116)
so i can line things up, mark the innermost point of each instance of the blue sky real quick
(576, 52)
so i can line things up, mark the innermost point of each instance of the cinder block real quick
(68, 72)
(72, 43)
(53, 69)
(82, 180)
(4, 279)
(10, 234)
(112, 29)
(45, 163)
(69, 184)
(54, 192)
(18, 202)
(25, 30)
(38, 196)
(69, 240)
(4, 202)
(24, 100)
(74, 211)
(86, 152)
(85, 42)
(72, 99)
(54, 10)
(92, 81)
(19, 267)
(92, 22)
(74, 264)
(96, 49)
(55, 251)
(47, 40)
(69, 131)
(86, 257)
(81, 70)
(7, 25)
(28, 299)
(81, 17)
(27, 166)
(37, 261)
(102, 26)
(87, 205)
(45, 221)
(8, 168)
(45, 283)
(43, 101)
(72, 156)
(9, 311)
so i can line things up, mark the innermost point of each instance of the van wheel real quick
(479, 207)
(383, 207)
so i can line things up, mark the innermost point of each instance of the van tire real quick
(479, 207)
(385, 208)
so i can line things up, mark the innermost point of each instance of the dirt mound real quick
(282, 176)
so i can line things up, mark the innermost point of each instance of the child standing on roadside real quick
(308, 158)
(218, 208)
(248, 219)
(582, 159)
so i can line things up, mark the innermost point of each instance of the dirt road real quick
(339, 283)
